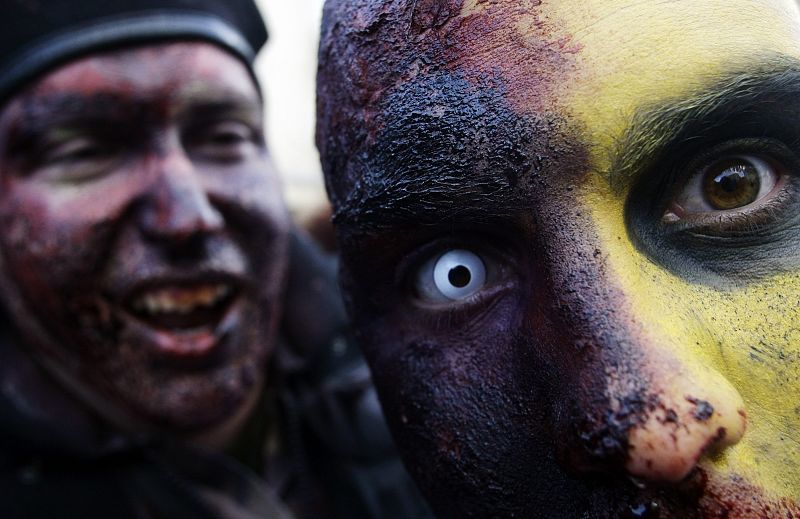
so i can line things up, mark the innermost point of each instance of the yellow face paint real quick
(745, 335)
(637, 55)
(732, 345)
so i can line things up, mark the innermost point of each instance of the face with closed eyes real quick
(569, 241)
(143, 236)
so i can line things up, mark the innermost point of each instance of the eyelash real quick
(747, 220)
(741, 222)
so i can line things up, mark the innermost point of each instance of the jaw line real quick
(114, 414)
(61, 373)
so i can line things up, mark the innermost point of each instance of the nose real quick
(646, 403)
(643, 391)
(177, 206)
(693, 411)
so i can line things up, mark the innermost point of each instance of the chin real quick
(202, 390)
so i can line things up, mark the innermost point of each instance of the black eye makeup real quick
(712, 182)
(738, 187)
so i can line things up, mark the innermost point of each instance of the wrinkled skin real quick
(140, 177)
(633, 350)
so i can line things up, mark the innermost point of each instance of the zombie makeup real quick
(567, 242)
(144, 241)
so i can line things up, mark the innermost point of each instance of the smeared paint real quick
(396, 43)
(592, 359)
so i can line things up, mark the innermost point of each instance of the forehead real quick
(167, 71)
(597, 61)
(636, 55)
(589, 65)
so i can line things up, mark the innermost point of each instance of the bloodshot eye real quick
(453, 276)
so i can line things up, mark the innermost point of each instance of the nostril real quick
(188, 248)
(703, 410)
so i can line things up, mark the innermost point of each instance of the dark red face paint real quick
(144, 238)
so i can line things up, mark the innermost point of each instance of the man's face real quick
(570, 242)
(143, 236)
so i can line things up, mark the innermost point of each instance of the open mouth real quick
(183, 307)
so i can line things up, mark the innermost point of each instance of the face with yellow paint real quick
(569, 236)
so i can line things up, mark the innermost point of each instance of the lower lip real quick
(191, 345)
(186, 344)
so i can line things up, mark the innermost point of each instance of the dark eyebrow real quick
(751, 101)
(42, 112)
(212, 108)
(431, 197)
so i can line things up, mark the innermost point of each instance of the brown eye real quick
(728, 184)
(731, 183)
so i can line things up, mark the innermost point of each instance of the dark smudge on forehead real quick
(371, 51)
(447, 150)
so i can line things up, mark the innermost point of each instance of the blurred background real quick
(287, 68)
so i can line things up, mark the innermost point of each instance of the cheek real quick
(52, 241)
(468, 406)
(251, 198)
(252, 183)
(758, 335)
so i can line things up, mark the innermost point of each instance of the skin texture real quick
(143, 173)
(630, 354)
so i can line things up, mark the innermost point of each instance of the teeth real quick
(181, 300)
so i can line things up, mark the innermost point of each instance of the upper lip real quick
(181, 300)
(190, 280)
(179, 295)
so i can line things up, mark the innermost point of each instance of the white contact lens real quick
(458, 274)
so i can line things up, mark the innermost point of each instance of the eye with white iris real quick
(729, 183)
(450, 277)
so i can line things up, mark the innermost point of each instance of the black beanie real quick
(36, 35)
